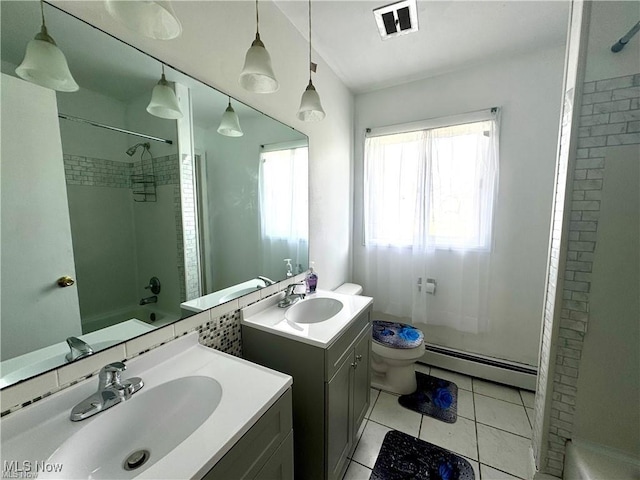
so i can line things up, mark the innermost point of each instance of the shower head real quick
(132, 150)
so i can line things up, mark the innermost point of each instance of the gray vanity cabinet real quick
(265, 452)
(347, 400)
(331, 390)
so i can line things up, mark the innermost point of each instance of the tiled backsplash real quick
(218, 328)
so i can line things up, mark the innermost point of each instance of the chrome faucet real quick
(148, 300)
(267, 281)
(111, 391)
(290, 296)
(79, 349)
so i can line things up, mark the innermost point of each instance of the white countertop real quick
(214, 299)
(267, 316)
(248, 391)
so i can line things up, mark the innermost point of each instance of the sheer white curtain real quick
(429, 198)
(284, 207)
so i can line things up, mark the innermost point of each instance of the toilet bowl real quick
(393, 357)
(395, 348)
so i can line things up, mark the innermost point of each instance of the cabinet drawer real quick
(250, 454)
(335, 353)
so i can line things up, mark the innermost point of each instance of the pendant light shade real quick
(152, 19)
(44, 63)
(164, 103)
(310, 107)
(230, 123)
(257, 74)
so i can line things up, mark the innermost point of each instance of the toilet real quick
(395, 348)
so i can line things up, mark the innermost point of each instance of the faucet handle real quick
(110, 375)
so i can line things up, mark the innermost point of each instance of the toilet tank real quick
(349, 289)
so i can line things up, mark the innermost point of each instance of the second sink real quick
(313, 310)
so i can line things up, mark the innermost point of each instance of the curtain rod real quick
(109, 127)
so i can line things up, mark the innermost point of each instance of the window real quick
(433, 187)
(283, 193)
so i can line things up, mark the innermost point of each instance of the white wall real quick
(86, 140)
(528, 89)
(216, 36)
(232, 166)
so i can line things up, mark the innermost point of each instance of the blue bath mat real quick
(405, 457)
(396, 335)
(434, 397)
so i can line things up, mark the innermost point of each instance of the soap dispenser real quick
(289, 267)
(311, 280)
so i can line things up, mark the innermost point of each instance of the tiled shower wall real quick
(98, 172)
(609, 116)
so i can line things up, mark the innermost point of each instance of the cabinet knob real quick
(65, 281)
(358, 358)
(354, 365)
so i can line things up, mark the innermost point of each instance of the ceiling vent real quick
(397, 19)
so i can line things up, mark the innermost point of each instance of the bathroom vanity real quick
(200, 414)
(330, 365)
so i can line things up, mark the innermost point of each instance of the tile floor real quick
(493, 430)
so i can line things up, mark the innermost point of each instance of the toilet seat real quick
(396, 335)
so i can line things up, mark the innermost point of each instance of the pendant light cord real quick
(257, 20)
(310, 64)
(42, 11)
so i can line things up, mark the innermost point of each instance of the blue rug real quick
(434, 397)
(404, 457)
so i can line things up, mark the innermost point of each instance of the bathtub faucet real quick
(148, 300)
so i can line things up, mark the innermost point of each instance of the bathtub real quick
(587, 461)
(146, 313)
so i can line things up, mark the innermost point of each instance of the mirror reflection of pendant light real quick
(310, 107)
(257, 74)
(152, 19)
(44, 63)
(164, 103)
(230, 123)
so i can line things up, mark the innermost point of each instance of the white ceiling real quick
(453, 35)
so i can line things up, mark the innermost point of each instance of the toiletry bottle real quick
(311, 280)
(289, 267)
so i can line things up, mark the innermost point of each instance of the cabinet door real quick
(338, 418)
(361, 379)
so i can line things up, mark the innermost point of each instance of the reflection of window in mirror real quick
(284, 206)
(283, 193)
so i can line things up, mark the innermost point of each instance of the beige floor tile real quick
(369, 445)
(459, 437)
(528, 398)
(503, 415)
(489, 473)
(501, 392)
(465, 404)
(389, 412)
(355, 471)
(504, 451)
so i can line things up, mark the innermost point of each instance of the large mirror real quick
(144, 218)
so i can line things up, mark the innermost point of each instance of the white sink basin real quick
(153, 421)
(237, 293)
(313, 310)
(190, 412)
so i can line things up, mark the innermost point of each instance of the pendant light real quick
(44, 63)
(155, 20)
(310, 106)
(164, 103)
(257, 74)
(230, 123)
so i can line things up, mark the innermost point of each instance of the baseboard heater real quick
(497, 370)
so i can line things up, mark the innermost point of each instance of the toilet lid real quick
(396, 335)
